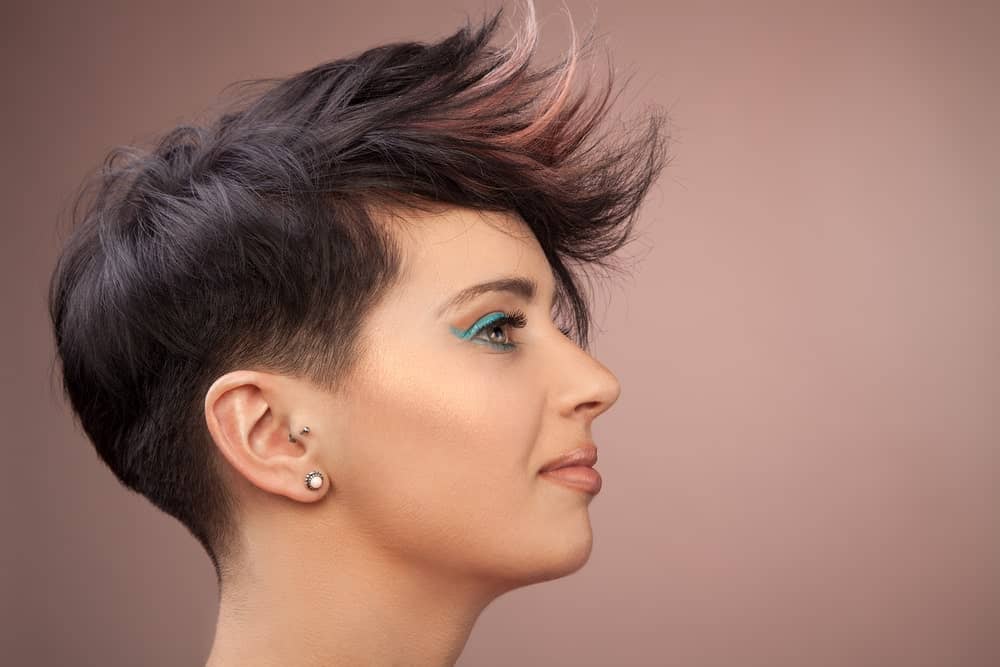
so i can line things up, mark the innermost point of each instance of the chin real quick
(574, 550)
(561, 552)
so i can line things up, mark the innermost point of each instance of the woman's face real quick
(442, 434)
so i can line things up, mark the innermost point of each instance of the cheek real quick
(443, 458)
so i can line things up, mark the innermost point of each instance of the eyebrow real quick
(522, 286)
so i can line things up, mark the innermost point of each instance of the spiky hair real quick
(254, 241)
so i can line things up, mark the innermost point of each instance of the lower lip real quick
(583, 478)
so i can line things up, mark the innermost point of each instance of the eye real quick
(495, 323)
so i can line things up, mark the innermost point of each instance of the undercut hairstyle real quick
(255, 241)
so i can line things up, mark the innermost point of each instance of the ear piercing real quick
(304, 431)
(314, 480)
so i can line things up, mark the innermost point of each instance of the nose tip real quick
(611, 388)
(617, 392)
(604, 394)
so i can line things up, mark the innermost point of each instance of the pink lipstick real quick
(579, 477)
(575, 469)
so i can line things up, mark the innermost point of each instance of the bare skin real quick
(432, 506)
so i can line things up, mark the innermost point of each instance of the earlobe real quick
(248, 422)
(314, 480)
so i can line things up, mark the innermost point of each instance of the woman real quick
(323, 333)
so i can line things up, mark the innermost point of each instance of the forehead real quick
(454, 247)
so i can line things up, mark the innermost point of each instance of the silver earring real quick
(304, 431)
(314, 480)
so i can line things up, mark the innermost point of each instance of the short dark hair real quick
(253, 241)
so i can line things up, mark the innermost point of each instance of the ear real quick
(247, 418)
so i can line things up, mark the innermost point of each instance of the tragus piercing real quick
(304, 431)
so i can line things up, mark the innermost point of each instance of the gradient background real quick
(804, 465)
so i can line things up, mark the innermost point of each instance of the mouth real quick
(575, 469)
(585, 455)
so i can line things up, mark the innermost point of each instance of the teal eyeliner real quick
(499, 318)
(515, 319)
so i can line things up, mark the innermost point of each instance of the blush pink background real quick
(803, 468)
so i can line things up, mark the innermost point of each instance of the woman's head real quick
(434, 446)
(287, 265)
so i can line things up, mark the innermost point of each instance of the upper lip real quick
(581, 456)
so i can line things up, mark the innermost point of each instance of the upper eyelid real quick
(508, 318)
(486, 320)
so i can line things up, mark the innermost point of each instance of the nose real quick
(588, 387)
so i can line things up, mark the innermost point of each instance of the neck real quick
(316, 604)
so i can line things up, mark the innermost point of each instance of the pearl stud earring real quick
(314, 480)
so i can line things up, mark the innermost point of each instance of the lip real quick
(583, 478)
(575, 469)
(581, 456)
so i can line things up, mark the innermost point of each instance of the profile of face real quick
(432, 453)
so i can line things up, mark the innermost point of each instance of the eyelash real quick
(515, 319)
